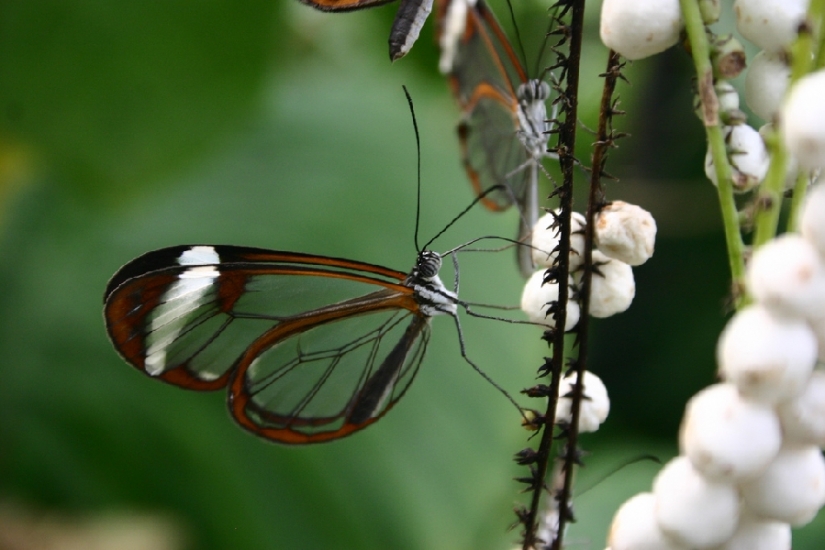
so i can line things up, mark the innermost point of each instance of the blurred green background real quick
(127, 126)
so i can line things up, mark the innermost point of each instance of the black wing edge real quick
(146, 263)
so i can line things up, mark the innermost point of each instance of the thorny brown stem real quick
(595, 202)
(561, 491)
(559, 273)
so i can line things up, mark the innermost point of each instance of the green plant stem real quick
(805, 54)
(816, 16)
(766, 219)
(815, 51)
(799, 190)
(700, 48)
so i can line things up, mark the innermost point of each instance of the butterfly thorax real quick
(532, 114)
(430, 293)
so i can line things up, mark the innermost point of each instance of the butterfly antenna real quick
(467, 209)
(418, 167)
(544, 42)
(518, 34)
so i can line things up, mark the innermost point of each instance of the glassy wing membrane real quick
(483, 56)
(492, 153)
(485, 73)
(321, 378)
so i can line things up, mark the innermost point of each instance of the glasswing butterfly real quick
(310, 348)
(503, 129)
(405, 28)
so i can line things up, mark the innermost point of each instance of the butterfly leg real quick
(476, 368)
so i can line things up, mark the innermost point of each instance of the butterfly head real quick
(427, 265)
(532, 91)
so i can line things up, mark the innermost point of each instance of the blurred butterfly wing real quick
(475, 50)
(187, 314)
(484, 74)
(344, 5)
(491, 152)
(325, 377)
(406, 27)
(502, 131)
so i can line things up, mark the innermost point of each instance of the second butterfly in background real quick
(503, 130)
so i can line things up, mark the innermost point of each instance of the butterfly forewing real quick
(187, 314)
(405, 29)
(480, 54)
(311, 348)
(344, 5)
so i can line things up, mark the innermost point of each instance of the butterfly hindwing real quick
(329, 379)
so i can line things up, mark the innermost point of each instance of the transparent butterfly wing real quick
(491, 152)
(486, 75)
(480, 51)
(321, 379)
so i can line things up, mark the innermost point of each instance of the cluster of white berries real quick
(624, 236)
(751, 465)
(638, 29)
(772, 26)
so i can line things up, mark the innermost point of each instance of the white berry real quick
(546, 239)
(786, 276)
(612, 286)
(625, 232)
(802, 121)
(792, 487)
(640, 28)
(693, 510)
(768, 358)
(748, 157)
(803, 418)
(634, 527)
(770, 24)
(536, 297)
(594, 407)
(766, 82)
(755, 533)
(728, 96)
(728, 438)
